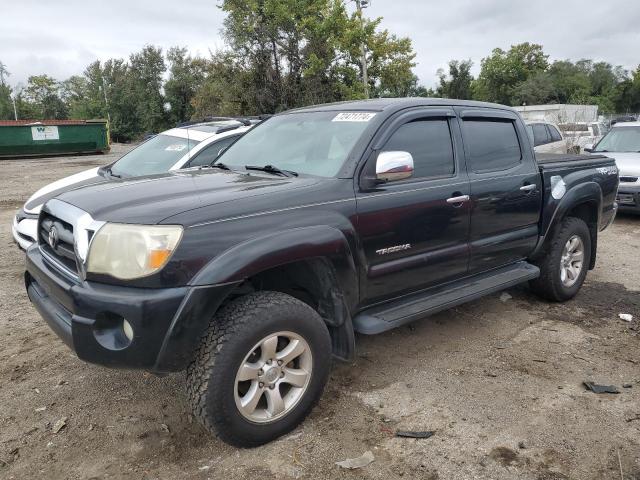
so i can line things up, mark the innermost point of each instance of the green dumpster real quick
(19, 138)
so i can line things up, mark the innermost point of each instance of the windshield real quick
(620, 139)
(314, 143)
(156, 155)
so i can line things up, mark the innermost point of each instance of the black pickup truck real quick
(318, 223)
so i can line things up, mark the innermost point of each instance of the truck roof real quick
(383, 104)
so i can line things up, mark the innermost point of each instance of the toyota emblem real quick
(53, 237)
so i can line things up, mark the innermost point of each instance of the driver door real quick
(415, 232)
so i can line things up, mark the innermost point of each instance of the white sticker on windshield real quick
(176, 147)
(353, 117)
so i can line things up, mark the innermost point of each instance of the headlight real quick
(131, 251)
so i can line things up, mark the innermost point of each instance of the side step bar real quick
(418, 305)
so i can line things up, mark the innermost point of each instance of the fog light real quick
(127, 329)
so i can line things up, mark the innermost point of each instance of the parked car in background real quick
(580, 134)
(623, 143)
(192, 145)
(546, 138)
(623, 119)
(319, 223)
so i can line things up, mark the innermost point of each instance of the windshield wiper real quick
(219, 165)
(272, 169)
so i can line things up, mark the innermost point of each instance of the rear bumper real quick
(167, 323)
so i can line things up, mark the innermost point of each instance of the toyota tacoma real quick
(317, 224)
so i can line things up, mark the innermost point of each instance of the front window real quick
(156, 155)
(314, 143)
(620, 139)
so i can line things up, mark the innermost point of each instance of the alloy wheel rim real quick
(273, 377)
(571, 261)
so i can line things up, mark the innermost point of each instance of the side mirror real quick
(392, 166)
(588, 147)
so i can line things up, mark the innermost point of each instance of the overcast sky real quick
(61, 37)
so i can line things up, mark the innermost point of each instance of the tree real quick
(502, 71)
(537, 89)
(298, 52)
(3, 73)
(85, 94)
(186, 76)
(144, 81)
(457, 84)
(226, 89)
(6, 104)
(43, 98)
(391, 62)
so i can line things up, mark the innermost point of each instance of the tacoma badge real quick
(396, 248)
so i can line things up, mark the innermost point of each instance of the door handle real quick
(528, 188)
(458, 200)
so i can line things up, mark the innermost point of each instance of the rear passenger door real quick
(505, 188)
(413, 235)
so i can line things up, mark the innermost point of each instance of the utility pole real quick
(106, 102)
(15, 110)
(360, 4)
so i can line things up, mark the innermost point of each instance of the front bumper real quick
(167, 323)
(24, 230)
(628, 198)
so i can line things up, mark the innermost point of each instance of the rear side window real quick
(429, 142)
(492, 144)
(540, 135)
(209, 154)
(555, 134)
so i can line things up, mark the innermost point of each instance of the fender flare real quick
(589, 192)
(583, 193)
(264, 252)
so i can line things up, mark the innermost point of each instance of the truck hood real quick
(150, 200)
(628, 163)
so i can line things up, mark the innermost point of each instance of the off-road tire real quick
(549, 285)
(231, 334)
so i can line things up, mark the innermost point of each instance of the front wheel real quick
(565, 261)
(260, 368)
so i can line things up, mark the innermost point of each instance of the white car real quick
(623, 144)
(189, 146)
(547, 138)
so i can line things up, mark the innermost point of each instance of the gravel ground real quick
(499, 380)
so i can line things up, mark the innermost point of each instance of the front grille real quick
(58, 245)
(629, 179)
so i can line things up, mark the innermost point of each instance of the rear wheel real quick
(260, 368)
(564, 262)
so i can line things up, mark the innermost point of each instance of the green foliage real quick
(502, 71)
(6, 105)
(457, 84)
(523, 75)
(290, 53)
(186, 75)
(42, 99)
